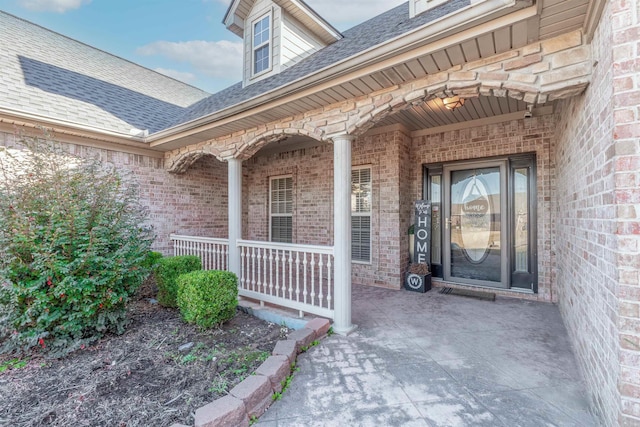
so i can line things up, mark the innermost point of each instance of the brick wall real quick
(312, 172)
(625, 21)
(177, 203)
(534, 135)
(598, 234)
(598, 159)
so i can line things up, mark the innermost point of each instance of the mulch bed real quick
(155, 374)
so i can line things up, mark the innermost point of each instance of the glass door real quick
(475, 238)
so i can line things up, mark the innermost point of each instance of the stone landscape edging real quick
(252, 396)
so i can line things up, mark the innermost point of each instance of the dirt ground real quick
(155, 374)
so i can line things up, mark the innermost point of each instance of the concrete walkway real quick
(438, 360)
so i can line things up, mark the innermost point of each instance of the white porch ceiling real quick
(433, 114)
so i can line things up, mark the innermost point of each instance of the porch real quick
(434, 360)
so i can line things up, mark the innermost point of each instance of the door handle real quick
(447, 223)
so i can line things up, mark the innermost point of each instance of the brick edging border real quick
(252, 397)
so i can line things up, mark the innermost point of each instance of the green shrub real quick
(152, 260)
(207, 298)
(72, 247)
(168, 270)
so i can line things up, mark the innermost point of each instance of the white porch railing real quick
(299, 277)
(294, 276)
(214, 253)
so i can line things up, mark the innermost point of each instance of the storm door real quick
(475, 229)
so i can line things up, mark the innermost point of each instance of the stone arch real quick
(252, 145)
(555, 69)
(472, 89)
(183, 161)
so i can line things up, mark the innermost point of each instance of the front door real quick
(475, 249)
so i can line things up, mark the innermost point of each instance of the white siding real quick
(297, 42)
(260, 8)
(416, 7)
(290, 42)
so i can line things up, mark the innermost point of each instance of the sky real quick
(184, 39)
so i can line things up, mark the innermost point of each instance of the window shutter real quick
(361, 202)
(281, 209)
(361, 238)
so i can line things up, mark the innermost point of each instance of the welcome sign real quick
(422, 233)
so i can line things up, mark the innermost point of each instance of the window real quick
(261, 38)
(361, 214)
(280, 209)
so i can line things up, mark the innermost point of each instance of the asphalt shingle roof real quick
(45, 73)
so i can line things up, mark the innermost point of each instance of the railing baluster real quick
(313, 279)
(304, 275)
(283, 288)
(297, 275)
(329, 293)
(207, 247)
(271, 271)
(321, 282)
(264, 270)
(290, 275)
(277, 272)
(253, 269)
(242, 262)
(259, 265)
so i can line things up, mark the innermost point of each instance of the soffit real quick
(239, 10)
(236, 13)
(562, 16)
(433, 114)
(310, 20)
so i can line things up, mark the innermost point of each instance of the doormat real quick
(487, 296)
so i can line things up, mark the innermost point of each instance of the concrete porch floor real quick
(438, 360)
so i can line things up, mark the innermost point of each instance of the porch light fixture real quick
(453, 102)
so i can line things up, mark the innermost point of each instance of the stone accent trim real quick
(253, 396)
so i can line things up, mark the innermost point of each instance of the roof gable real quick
(238, 11)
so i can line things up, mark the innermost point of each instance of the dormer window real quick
(261, 44)
(277, 34)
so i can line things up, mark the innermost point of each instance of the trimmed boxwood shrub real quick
(168, 270)
(207, 298)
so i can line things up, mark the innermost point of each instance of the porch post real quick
(342, 233)
(235, 214)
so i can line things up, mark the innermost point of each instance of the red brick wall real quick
(534, 135)
(312, 172)
(598, 236)
(626, 144)
(193, 203)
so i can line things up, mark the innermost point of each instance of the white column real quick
(235, 214)
(342, 233)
